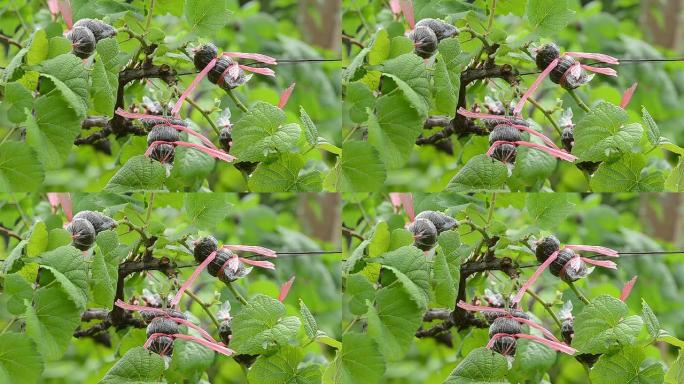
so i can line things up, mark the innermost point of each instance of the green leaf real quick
(51, 322)
(206, 210)
(17, 99)
(284, 368)
(380, 48)
(190, 360)
(51, 132)
(629, 365)
(360, 168)
(445, 273)
(59, 45)
(444, 92)
(137, 366)
(675, 181)
(652, 130)
(481, 366)
(603, 133)
(392, 323)
(38, 241)
(19, 359)
(310, 130)
(379, 240)
(666, 337)
(310, 326)
(666, 144)
(358, 291)
(206, 16)
(533, 165)
(38, 50)
(480, 173)
(628, 174)
(20, 169)
(604, 327)
(105, 77)
(69, 267)
(675, 375)
(395, 129)
(261, 326)
(411, 268)
(71, 79)
(548, 210)
(359, 98)
(16, 290)
(190, 168)
(359, 361)
(14, 65)
(262, 131)
(105, 267)
(547, 17)
(140, 173)
(58, 237)
(650, 319)
(410, 74)
(532, 359)
(283, 175)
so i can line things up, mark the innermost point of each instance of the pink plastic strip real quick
(133, 115)
(518, 107)
(600, 263)
(261, 71)
(193, 326)
(395, 7)
(595, 56)
(285, 289)
(540, 135)
(216, 347)
(258, 263)
(494, 337)
(254, 56)
(603, 71)
(192, 278)
(532, 324)
(594, 248)
(252, 248)
(475, 115)
(192, 86)
(189, 131)
(534, 277)
(132, 307)
(53, 5)
(627, 96)
(560, 347)
(627, 289)
(407, 9)
(65, 10)
(152, 337)
(478, 308)
(285, 96)
(551, 151)
(215, 153)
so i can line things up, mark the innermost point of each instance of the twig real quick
(352, 40)
(204, 306)
(10, 41)
(205, 114)
(10, 233)
(547, 114)
(546, 306)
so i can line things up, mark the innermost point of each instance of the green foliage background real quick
(386, 280)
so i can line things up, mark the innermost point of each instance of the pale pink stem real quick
(494, 337)
(192, 86)
(536, 133)
(496, 144)
(407, 10)
(193, 326)
(132, 307)
(395, 7)
(217, 348)
(285, 289)
(594, 248)
(254, 56)
(133, 115)
(215, 153)
(477, 308)
(603, 71)
(476, 115)
(595, 56)
(285, 96)
(532, 324)
(65, 10)
(261, 71)
(394, 199)
(258, 263)
(551, 151)
(189, 131)
(152, 337)
(560, 347)
(533, 278)
(600, 263)
(518, 107)
(627, 96)
(53, 5)
(251, 248)
(61, 198)
(627, 289)
(192, 278)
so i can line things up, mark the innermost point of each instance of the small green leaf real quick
(380, 48)
(262, 131)
(675, 181)
(379, 240)
(480, 173)
(138, 174)
(105, 267)
(359, 361)
(650, 319)
(105, 76)
(283, 175)
(410, 74)
(16, 290)
(17, 99)
(629, 365)
(206, 16)
(138, 366)
(310, 326)
(206, 210)
(20, 170)
(38, 50)
(481, 366)
(285, 367)
(69, 268)
(19, 359)
(547, 210)
(71, 79)
(547, 17)
(359, 98)
(394, 130)
(628, 174)
(358, 292)
(652, 130)
(360, 168)
(51, 322)
(51, 132)
(310, 130)
(603, 133)
(411, 268)
(261, 326)
(675, 375)
(38, 241)
(604, 327)
(393, 322)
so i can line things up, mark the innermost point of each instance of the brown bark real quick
(320, 23)
(661, 18)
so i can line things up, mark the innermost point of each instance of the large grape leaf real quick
(17, 99)
(394, 130)
(358, 361)
(105, 79)
(480, 173)
(138, 174)
(206, 16)
(69, 268)
(410, 74)
(51, 132)
(547, 17)
(261, 326)
(360, 168)
(51, 321)
(628, 174)
(411, 268)
(20, 170)
(19, 359)
(547, 210)
(481, 366)
(71, 79)
(392, 323)
(283, 175)
(137, 366)
(262, 131)
(603, 133)
(284, 368)
(603, 326)
(629, 365)
(206, 210)
(105, 267)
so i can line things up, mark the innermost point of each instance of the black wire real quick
(622, 61)
(603, 257)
